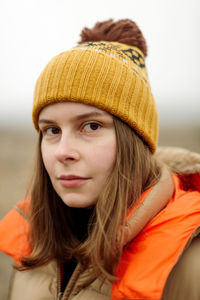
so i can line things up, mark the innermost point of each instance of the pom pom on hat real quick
(123, 31)
(106, 70)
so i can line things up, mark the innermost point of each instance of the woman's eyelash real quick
(88, 127)
(93, 126)
(53, 129)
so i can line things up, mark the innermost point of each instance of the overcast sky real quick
(33, 31)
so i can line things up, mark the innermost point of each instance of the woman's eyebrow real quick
(88, 115)
(77, 117)
(46, 121)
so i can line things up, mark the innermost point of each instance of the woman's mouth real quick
(72, 180)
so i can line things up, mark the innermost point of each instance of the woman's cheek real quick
(47, 156)
(106, 157)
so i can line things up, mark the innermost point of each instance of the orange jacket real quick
(147, 261)
(14, 230)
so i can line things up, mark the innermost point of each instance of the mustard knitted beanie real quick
(107, 70)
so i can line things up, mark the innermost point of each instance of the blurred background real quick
(32, 32)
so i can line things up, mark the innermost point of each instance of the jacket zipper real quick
(59, 282)
(71, 283)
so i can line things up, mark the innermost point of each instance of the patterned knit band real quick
(108, 75)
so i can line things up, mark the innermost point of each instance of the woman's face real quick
(78, 149)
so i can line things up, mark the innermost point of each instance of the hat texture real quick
(109, 75)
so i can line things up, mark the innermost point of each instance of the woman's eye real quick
(92, 126)
(52, 131)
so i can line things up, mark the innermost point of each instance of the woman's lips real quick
(72, 180)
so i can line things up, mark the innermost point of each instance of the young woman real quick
(105, 218)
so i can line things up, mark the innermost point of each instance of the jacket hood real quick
(184, 163)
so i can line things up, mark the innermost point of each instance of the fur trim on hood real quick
(179, 160)
(184, 163)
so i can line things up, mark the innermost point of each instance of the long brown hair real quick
(56, 234)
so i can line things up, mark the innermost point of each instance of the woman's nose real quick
(67, 149)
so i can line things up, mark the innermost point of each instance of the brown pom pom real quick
(123, 31)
